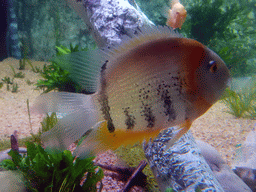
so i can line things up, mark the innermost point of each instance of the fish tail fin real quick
(181, 131)
(79, 116)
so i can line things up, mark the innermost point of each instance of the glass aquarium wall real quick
(44, 24)
(227, 27)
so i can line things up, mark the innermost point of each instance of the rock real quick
(245, 162)
(246, 155)
(11, 181)
(247, 175)
(224, 174)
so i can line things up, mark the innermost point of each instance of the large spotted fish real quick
(152, 81)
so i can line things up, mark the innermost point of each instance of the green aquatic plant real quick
(227, 29)
(15, 88)
(22, 64)
(49, 122)
(17, 75)
(34, 69)
(7, 80)
(252, 112)
(1, 84)
(49, 171)
(56, 78)
(209, 19)
(45, 170)
(241, 104)
(62, 50)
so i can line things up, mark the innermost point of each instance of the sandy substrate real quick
(13, 106)
(216, 127)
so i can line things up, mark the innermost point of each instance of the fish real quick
(152, 81)
(176, 15)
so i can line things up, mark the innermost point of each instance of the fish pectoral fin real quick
(183, 128)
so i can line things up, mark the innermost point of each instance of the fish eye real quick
(213, 66)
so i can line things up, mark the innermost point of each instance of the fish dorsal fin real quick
(173, 2)
(84, 67)
(147, 34)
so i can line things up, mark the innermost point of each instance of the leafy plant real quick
(15, 88)
(7, 80)
(208, 20)
(57, 78)
(1, 85)
(241, 104)
(17, 75)
(48, 171)
(34, 69)
(252, 112)
(22, 64)
(62, 50)
(48, 123)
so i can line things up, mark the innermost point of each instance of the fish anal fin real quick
(124, 137)
(184, 127)
(90, 145)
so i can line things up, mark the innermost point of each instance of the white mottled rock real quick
(229, 181)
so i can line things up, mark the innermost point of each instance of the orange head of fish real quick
(207, 76)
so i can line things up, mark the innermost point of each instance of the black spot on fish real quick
(130, 119)
(164, 91)
(103, 100)
(169, 110)
(111, 127)
(147, 112)
(149, 116)
(103, 68)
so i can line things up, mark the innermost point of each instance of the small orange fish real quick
(153, 81)
(176, 15)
